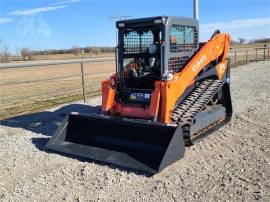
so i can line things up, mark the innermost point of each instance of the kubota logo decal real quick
(198, 64)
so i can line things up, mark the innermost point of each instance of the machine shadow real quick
(47, 122)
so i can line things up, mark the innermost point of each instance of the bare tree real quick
(76, 50)
(95, 50)
(26, 54)
(263, 40)
(4, 53)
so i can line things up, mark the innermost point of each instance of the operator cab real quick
(152, 49)
(139, 52)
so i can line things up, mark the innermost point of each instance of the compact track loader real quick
(168, 92)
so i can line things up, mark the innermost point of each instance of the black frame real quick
(148, 23)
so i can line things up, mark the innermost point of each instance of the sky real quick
(55, 24)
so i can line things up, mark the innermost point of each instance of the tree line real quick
(75, 50)
(243, 41)
(27, 53)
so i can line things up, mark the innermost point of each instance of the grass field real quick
(21, 91)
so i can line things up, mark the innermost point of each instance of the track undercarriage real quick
(204, 109)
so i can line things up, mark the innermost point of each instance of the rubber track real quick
(185, 113)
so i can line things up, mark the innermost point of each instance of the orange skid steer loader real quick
(168, 92)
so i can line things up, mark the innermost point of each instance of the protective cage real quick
(135, 42)
(131, 144)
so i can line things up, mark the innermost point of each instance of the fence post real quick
(83, 84)
(246, 56)
(256, 55)
(235, 58)
(268, 54)
(264, 54)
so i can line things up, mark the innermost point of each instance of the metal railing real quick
(13, 101)
(20, 95)
(241, 56)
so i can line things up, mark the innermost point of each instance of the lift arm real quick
(215, 48)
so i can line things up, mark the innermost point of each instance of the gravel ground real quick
(232, 164)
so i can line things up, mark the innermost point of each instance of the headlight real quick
(121, 24)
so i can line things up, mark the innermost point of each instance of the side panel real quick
(108, 95)
(155, 100)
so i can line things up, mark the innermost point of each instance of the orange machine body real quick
(166, 93)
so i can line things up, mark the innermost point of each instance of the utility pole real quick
(196, 9)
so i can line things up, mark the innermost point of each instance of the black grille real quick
(177, 63)
(183, 38)
(137, 43)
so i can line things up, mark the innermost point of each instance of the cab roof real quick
(150, 20)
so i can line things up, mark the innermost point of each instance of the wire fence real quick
(35, 86)
(242, 56)
(29, 87)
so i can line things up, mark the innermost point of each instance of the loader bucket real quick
(139, 145)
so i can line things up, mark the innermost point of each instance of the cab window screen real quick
(136, 42)
(183, 38)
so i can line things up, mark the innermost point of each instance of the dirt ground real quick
(233, 164)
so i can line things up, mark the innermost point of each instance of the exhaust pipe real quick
(196, 9)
